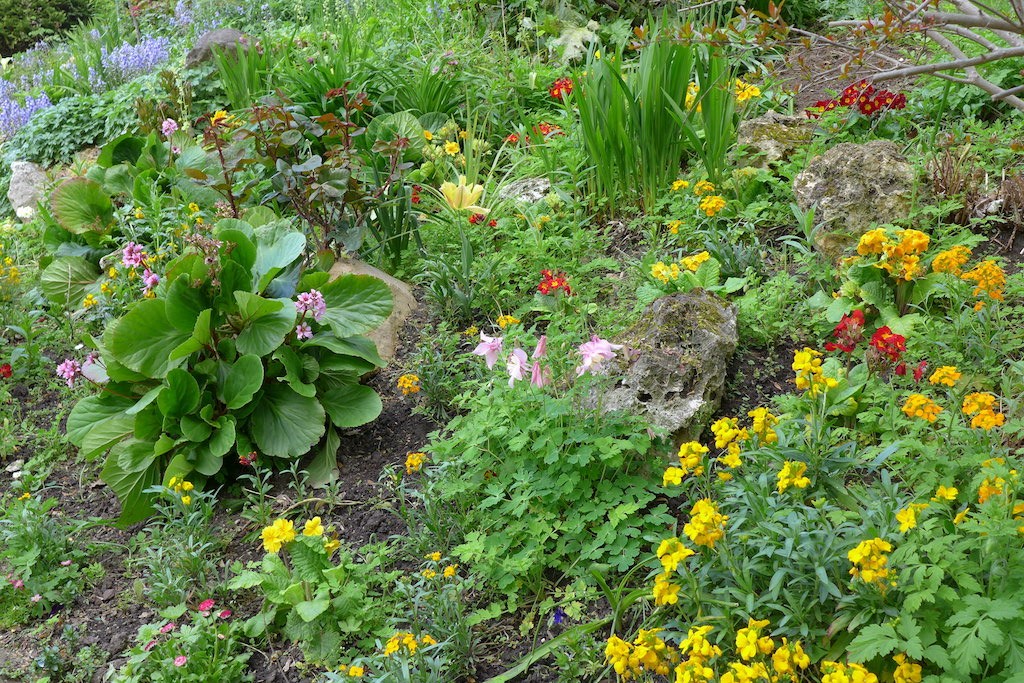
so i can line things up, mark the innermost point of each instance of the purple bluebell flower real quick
(559, 616)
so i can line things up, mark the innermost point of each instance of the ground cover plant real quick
(523, 341)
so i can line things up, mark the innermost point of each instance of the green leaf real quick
(92, 411)
(81, 206)
(184, 304)
(270, 258)
(352, 405)
(243, 380)
(357, 346)
(180, 395)
(285, 424)
(266, 323)
(356, 304)
(223, 439)
(144, 339)
(107, 433)
(293, 371)
(323, 468)
(311, 609)
(67, 280)
(129, 487)
(874, 640)
(201, 336)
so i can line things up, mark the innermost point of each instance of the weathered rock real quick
(223, 39)
(673, 372)
(773, 137)
(527, 190)
(853, 187)
(386, 337)
(27, 183)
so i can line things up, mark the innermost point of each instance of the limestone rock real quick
(386, 337)
(674, 363)
(27, 183)
(773, 137)
(527, 190)
(573, 43)
(223, 38)
(854, 186)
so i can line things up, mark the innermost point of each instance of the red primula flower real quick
(901, 369)
(416, 194)
(560, 88)
(512, 139)
(889, 344)
(477, 218)
(552, 282)
(492, 223)
(5, 371)
(547, 129)
(848, 333)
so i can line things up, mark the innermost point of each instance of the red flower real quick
(492, 223)
(5, 371)
(477, 218)
(848, 333)
(552, 282)
(901, 369)
(247, 459)
(889, 344)
(919, 372)
(547, 129)
(512, 139)
(416, 194)
(206, 605)
(560, 88)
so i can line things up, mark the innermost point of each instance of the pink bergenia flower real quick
(206, 605)
(594, 353)
(180, 660)
(541, 376)
(311, 302)
(90, 358)
(149, 280)
(131, 255)
(489, 348)
(517, 366)
(69, 370)
(303, 331)
(169, 127)
(224, 614)
(167, 628)
(542, 347)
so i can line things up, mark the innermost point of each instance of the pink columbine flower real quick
(489, 348)
(168, 627)
(303, 331)
(169, 127)
(36, 598)
(517, 366)
(131, 255)
(206, 605)
(311, 302)
(542, 347)
(224, 614)
(149, 280)
(594, 353)
(180, 660)
(540, 376)
(18, 584)
(65, 563)
(69, 370)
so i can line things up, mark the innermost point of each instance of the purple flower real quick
(16, 111)
(18, 584)
(311, 302)
(559, 615)
(594, 353)
(169, 127)
(90, 358)
(303, 331)
(489, 348)
(149, 280)
(168, 627)
(69, 370)
(131, 255)
(65, 563)
(517, 366)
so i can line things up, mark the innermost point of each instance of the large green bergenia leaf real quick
(80, 205)
(129, 485)
(243, 380)
(266, 323)
(68, 279)
(285, 424)
(356, 304)
(351, 405)
(144, 339)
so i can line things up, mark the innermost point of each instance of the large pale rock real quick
(226, 39)
(674, 363)
(526, 190)
(854, 187)
(28, 181)
(386, 337)
(773, 137)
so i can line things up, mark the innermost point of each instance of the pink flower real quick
(541, 376)
(149, 646)
(69, 370)
(542, 347)
(175, 149)
(311, 302)
(303, 331)
(206, 605)
(36, 598)
(169, 127)
(489, 348)
(18, 584)
(150, 280)
(90, 358)
(131, 256)
(66, 563)
(224, 614)
(595, 352)
(180, 660)
(167, 628)
(517, 365)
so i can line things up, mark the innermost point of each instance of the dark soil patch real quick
(757, 375)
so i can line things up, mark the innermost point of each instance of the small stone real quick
(226, 39)
(386, 337)
(772, 137)
(28, 181)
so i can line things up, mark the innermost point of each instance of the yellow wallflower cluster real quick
(750, 642)
(690, 455)
(989, 279)
(692, 92)
(906, 670)
(9, 273)
(711, 204)
(728, 434)
(182, 488)
(952, 260)
(680, 185)
(89, 301)
(981, 406)
(793, 474)
(648, 653)
(706, 524)
(673, 226)
(922, 407)
(506, 320)
(408, 384)
(671, 552)
(869, 561)
(414, 461)
(907, 517)
(745, 91)
(406, 642)
(277, 534)
(947, 375)
(703, 187)
(837, 672)
(900, 257)
(763, 427)
(809, 374)
(665, 592)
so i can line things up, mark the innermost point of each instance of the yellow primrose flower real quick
(277, 534)
(313, 527)
(186, 500)
(428, 136)
(703, 187)
(946, 374)
(947, 493)
(331, 545)
(451, 148)
(692, 263)
(680, 185)
(712, 204)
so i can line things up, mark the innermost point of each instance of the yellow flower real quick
(790, 657)
(193, 208)
(665, 273)
(313, 527)
(112, 273)
(665, 592)
(671, 552)
(408, 384)
(506, 320)
(872, 242)
(977, 402)
(451, 148)
(989, 278)
(792, 474)
(450, 571)
(706, 524)
(414, 461)
(962, 515)
(951, 260)
(809, 373)
(429, 573)
(187, 486)
(139, 214)
(913, 241)
(427, 640)
(673, 226)
(690, 454)
(745, 91)
(186, 500)
(906, 670)
(680, 185)
(746, 639)
(869, 561)
(221, 118)
(434, 556)
(331, 545)
(987, 419)
(428, 136)
(946, 493)
(712, 204)
(25, 496)
(763, 425)
(920, 406)
(463, 196)
(907, 517)
(105, 288)
(355, 671)
(991, 486)
(946, 374)
(692, 92)
(277, 534)
(471, 331)
(692, 263)
(89, 301)
(401, 640)
(673, 476)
